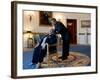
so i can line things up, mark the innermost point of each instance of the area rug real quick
(75, 59)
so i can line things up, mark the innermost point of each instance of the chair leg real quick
(48, 62)
(48, 58)
(57, 56)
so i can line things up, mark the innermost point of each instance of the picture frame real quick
(17, 8)
(85, 23)
(43, 20)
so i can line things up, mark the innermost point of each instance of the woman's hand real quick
(53, 27)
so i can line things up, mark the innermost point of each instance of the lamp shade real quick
(28, 31)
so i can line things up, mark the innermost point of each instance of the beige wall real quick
(34, 24)
(35, 27)
(81, 39)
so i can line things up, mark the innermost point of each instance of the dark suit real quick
(52, 39)
(39, 53)
(61, 29)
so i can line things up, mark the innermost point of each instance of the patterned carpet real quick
(75, 59)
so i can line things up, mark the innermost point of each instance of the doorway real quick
(72, 27)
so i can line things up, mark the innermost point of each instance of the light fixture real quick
(30, 14)
(29, 39)
(29, 33)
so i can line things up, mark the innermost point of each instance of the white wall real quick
(35, 27)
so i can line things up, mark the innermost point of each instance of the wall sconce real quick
(30, 18)
(30, 14)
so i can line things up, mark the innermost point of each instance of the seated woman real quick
(40, 49)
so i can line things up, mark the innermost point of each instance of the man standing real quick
(59, 28)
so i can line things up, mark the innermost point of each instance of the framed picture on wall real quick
(44, 18)
(85, 23)
(82, 59)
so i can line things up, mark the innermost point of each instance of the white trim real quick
(21, 72)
